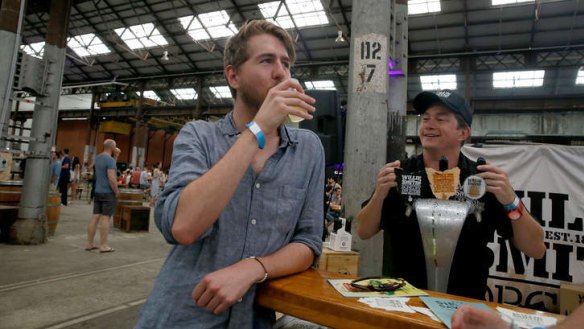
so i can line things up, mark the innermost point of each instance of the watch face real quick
(514, 214)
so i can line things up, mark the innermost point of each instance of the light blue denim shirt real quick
(282, 204)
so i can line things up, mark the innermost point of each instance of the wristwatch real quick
(514, 209)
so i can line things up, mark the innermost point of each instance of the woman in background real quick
(155, 183)
(75, 177)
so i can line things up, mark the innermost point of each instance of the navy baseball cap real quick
(451, 100)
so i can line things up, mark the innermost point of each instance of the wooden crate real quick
(344, 262)
(135, 218)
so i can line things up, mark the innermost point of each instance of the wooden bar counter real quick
(309, 296)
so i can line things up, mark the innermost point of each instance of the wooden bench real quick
(135, 218)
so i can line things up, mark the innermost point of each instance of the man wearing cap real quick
(445, 126)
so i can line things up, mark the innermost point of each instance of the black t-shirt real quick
(472, 259)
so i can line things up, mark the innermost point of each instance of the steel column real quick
(31, 228)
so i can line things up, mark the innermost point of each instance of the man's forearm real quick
(369, 218)
(528, 236)
(203, 200)
(293, 258)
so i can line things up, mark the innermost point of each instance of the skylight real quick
(217, 25)
(438, 82)
(518, 79)
(221, 91)
(508, 2)
(150, 94)
(184, 93)
(320, 85)
(141, 36)
(36, 49)
(87, 45)
(580, 77)
(303, 12)
(417, 7)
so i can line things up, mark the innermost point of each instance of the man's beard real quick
(250, 98)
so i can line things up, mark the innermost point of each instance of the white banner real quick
(550, 181)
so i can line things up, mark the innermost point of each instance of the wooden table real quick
(310, 297)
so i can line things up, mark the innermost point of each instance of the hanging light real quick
(165, 56)
(339, 37)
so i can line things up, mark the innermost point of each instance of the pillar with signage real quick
(367, 115)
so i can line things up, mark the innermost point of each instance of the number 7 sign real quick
(369, 64)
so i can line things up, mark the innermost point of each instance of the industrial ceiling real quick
(468, 39)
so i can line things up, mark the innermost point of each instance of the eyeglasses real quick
(375, 283)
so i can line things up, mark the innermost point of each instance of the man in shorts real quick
(106, 195)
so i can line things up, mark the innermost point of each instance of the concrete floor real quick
(60, 285)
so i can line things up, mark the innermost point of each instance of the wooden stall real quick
(310, 297)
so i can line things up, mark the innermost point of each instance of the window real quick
(221, 91)
(508, 2)
(417, 7)
(150, 94)
(36, 49)
(214, 25)
(320, 85)
(518, 79)
(141, 36)
(580, 77)
(87, 45)
(184, 93)
(438, 82)
(302, 12)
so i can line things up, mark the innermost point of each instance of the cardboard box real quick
(571, 296)
(135, 218)
(344, 262)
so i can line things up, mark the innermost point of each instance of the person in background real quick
(55, 168)
(335, 206)
(120, 179)
(155, 183)
(127, 177)
(243, 200)
(75, 177)
(445, 126)
(119, 174)
(116, 154)
(470, 317)
(145, 179)
(331, 183)
(65, 176)
(106, 194)
(135, 180)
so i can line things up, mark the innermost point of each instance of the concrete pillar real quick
(11, 13)
(398, 97)
(140, 135)
(31, 228)
(367, 117)
(89, 151)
